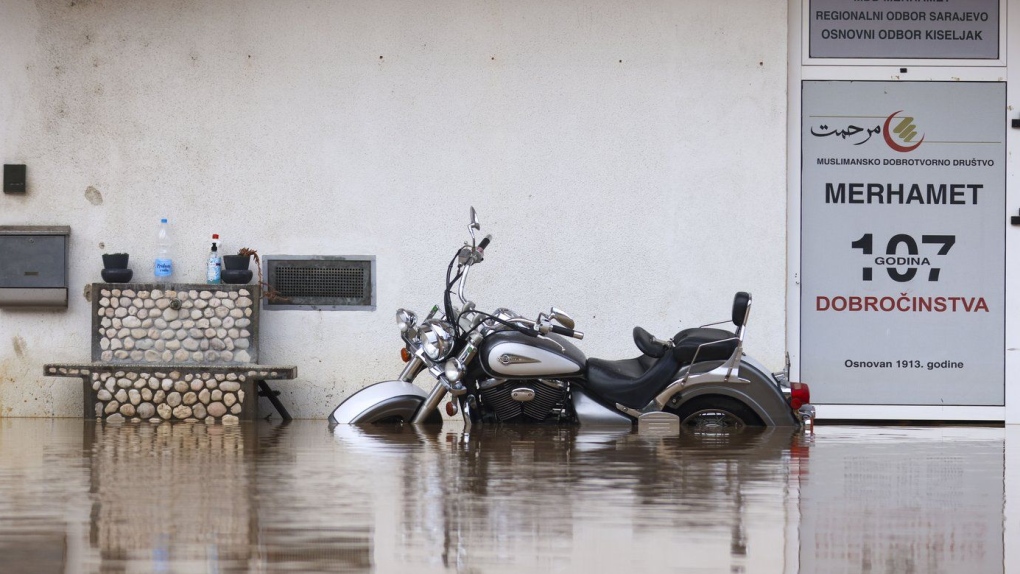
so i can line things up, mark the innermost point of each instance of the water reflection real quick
(924, 500)
(584, 501)
(80, 497)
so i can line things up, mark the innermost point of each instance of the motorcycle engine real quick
(532, 399)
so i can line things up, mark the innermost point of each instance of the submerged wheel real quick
(396, 411)
(717, 413)
(433, 419)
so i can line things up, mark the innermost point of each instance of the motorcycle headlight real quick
(436, 339)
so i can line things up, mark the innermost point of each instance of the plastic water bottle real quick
(164, 266)
(212, 274)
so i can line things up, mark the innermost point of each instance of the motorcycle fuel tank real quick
(510, 355)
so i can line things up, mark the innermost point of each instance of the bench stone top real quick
(251, 369)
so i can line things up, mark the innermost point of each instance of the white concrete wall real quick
(628, 157)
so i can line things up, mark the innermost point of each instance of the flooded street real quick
(302, 497)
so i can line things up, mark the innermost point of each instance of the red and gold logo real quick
(901, 136)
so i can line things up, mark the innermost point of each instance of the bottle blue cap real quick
(162, 220)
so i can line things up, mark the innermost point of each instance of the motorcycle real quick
(501, 367)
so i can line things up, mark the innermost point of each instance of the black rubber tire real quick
(717, 413)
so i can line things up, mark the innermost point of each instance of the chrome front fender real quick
(379, 401)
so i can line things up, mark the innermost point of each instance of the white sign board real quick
(903, 242)
(932, 29)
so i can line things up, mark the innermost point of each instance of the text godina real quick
(902, 304)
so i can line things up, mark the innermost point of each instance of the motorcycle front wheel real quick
(716, 414)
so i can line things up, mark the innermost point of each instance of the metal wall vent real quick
(322, 282)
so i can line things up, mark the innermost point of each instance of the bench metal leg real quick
(265, 391)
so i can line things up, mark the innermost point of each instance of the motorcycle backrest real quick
(741, 308)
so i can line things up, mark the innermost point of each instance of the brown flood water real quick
(303, 497)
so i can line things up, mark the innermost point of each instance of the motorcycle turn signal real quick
(405, 355)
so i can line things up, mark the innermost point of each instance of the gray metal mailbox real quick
(33, 266)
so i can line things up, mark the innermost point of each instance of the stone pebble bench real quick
(177, 353)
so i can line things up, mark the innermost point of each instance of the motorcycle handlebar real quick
(567, 332)
(485, 242)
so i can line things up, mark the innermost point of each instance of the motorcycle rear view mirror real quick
(562, 318)
(474, 224)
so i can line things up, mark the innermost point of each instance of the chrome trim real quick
(467, 410)
(667, 342)
(431, 402)
(470, 348)
(659, 423)
(474, 223)
(806, 413)
(522, 394)
(483, 385)
(747, 314)
(459, 363)
(591, 413)
(454, 370)
(512, 359)
(558, 385)
(734, 358)
(549, 364)
(463, 280)
(463, 316)
(406, 320)
(438, 335)
(720, 374)
(562, 318)
(628, 410)
(503, 313)
(411, 369)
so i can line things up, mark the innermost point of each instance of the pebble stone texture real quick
(196, 324)
(180, 354)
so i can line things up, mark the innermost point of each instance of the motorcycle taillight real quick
(800, 394)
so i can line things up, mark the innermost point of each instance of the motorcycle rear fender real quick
(761, 394)
(381, 400)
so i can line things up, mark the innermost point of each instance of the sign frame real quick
(804, 18)
(915, 284)
(799, 68)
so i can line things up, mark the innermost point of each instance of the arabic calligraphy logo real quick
(903, 133)
(851, 132)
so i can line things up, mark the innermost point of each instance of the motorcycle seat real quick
(630, 382)
(648, 344)
(635, 382)
(715, 344)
